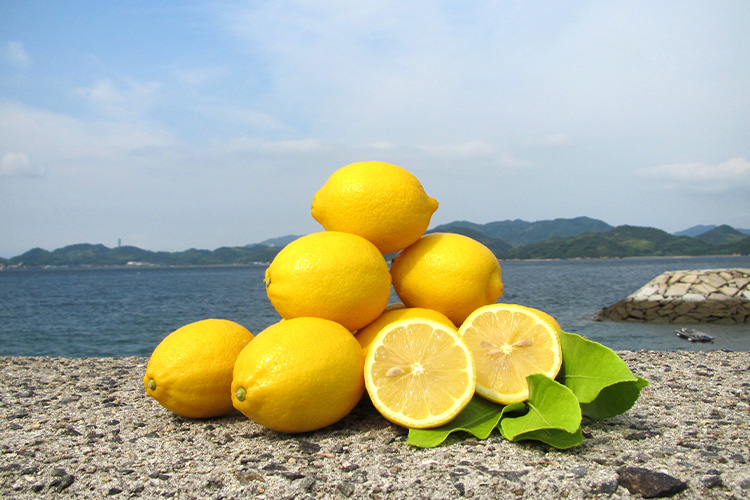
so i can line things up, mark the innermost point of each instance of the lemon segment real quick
(510, 342)
(419, 373)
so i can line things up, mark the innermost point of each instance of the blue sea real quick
(107, 312)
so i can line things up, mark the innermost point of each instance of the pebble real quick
(690, 428)
(649, 483)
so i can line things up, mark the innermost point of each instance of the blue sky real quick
(176, 125)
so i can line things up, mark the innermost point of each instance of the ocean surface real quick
(127, 311)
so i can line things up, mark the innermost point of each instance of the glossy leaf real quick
(553, 416)
(478, 418)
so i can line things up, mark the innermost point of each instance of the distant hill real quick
(280, 241)
(741, 247)
(581, 237)
(622, 241)
(696, 230)
(86, 254)
(721, 235)
(519, 232)
(702, 229)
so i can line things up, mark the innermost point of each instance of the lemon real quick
(366, 335)
(190, 371)
(299, 375)
(333, 275)
(381, 202)
(451, 273)
(510, 342)
(419, 373)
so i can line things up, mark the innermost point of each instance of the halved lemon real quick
(419, 373)
(510, 342)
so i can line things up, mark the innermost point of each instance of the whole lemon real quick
(190, 371)
(366, 335)
(383, 203)
(451, 273)
(333, 275)
(299, 375)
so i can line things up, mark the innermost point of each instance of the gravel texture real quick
(84, 427)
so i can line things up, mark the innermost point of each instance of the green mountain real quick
(695, 230)
(721, 235)
(556, 239)
(519, 232)
(700, 229)
(280, 241)
(86, 254)
(622, 241)
(741, 247)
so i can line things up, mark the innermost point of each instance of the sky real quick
(202, 124)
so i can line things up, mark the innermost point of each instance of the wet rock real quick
(649, 483)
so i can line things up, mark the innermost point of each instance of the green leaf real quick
(479, 417)
(593, 381)
(553, 417)
(614, 399)
(599, 378)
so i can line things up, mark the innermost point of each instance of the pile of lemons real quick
(420, 361)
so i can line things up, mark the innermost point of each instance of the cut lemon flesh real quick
(510, 342)
(419, 373)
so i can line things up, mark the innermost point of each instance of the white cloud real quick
(16, 54)
(732, 174)
(18, 165)
(57, 139)
(109, 98)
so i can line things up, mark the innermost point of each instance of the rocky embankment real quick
(701, 296)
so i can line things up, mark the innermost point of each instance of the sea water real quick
(127, 311)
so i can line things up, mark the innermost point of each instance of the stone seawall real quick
(700, 296)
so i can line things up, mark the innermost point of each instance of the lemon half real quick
(510, 342)
(419, 373)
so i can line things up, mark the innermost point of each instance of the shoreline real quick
(146, 265)
(84, 427)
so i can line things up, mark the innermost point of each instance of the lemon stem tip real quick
(151, 384)
(241, 393)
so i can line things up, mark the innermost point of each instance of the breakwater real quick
(699, 296)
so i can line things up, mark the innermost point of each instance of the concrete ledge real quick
(699, 296)
(84, 428)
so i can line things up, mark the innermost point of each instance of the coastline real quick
(84, 427)
(147, 265)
